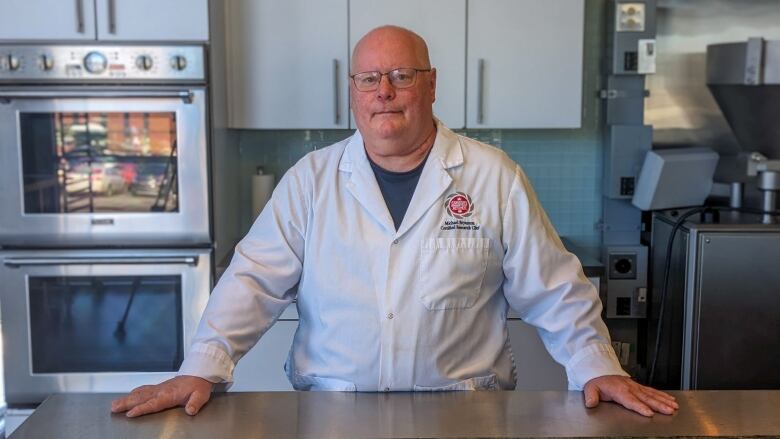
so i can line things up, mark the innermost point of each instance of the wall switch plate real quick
(646, 56)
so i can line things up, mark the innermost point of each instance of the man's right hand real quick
(184, 390)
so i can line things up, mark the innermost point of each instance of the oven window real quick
(99, 162)
(106, 324)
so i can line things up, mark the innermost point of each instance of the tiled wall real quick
(564, 166)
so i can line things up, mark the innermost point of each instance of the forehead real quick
(384, 51)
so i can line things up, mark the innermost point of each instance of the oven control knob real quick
(46, 62)
(144, 62)
(178, 62)
(10, 62)
(95, 62)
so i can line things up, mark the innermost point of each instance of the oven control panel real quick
(85, 63)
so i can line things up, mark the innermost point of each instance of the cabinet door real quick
(262, 368)
(524, 63)
(442, 23)
(287, 64)
(153, 20)
(47, 20)
(536, 370)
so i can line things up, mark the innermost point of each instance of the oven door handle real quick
(125, 260)
(185, 95)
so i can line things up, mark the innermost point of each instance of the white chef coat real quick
(420, 308)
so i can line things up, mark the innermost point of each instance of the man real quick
(404, 246)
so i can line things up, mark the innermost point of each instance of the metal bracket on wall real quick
(623, 94)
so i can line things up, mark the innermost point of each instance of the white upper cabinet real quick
(108, 20)
(500, 63)
(59, 20)
(442, 23)
(524, 63)
(152, 20)
(288, 64)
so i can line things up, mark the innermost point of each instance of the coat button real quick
(390, 316)
(395, 241)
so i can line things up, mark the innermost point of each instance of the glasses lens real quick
(402, 78)
(367, 80)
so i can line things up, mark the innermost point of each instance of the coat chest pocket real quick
(452, 271)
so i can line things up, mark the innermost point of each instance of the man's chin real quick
(387, 129)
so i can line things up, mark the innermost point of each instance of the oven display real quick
(105, 324)
(99, 162)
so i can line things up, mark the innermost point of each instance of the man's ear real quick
(433, 85)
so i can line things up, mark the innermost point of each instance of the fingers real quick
(656, 401)
(663, 396)
(161, 397)
(591, 396)
(196, 401)
(146, 399)
(139, 395)
(631, 402)
(151, 406)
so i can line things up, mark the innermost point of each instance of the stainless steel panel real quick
(23, 386)
(735, 317)
(188, 226)
(121, 63)
(751, 62)
(726, 63)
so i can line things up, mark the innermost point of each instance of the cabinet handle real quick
(186, 96)
(112, 16)
(129, 260)
(336, 112)
(80, 16)
(481, 91)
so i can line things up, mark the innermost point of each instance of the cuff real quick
(590, 362)
(209, 363)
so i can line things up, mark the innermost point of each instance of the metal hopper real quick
(744, 78)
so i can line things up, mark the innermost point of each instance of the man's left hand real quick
(630, 394)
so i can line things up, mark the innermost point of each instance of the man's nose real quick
(385, 90)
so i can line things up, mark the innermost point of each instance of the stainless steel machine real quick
(721, 316)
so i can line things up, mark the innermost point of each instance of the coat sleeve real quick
(545, 285)
(257, 286)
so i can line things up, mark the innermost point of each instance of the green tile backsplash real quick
(564, 166)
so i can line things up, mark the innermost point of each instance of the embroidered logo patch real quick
(459, 205)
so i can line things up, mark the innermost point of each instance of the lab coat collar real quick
(446, 154)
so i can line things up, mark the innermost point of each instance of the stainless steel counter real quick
(732, 414)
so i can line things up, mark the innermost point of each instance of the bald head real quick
(393, 37)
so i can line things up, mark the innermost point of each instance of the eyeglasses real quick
(399, 78)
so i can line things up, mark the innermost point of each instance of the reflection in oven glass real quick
(106, 324)
(99, 162)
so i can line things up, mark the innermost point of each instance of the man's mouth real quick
(378, 113)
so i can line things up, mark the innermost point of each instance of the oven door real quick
(97, 321)
(90, 166)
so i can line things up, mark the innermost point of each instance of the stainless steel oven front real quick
(97, 320)
(103, 146)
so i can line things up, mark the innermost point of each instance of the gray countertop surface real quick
(485, 414)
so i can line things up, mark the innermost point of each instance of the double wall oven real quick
(105, 264)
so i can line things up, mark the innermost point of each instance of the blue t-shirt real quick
(397, 188)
